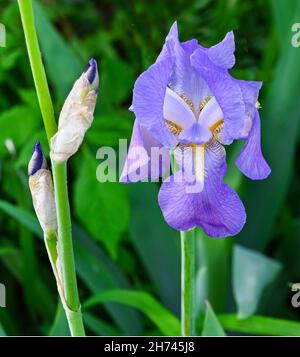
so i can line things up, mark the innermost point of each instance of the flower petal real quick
(251, 161)
(226, 91)
(222, 54)
(217, 209)
(196, 134)
(210, 114)
(185, 80)
(250, 91)
(137, 166)
(148, 100)
(177, 110)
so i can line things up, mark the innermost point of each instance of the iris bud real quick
(76, 115)
(42, 192)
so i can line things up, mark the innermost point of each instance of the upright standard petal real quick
(251, 161)
(138, 165)
(185, 80)
(217, 208)
(222, 54)
(148, 100)
(226, 91)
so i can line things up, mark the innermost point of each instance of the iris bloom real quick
(189, 103)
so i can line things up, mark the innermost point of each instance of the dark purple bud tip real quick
(37, 160)
(92, 74)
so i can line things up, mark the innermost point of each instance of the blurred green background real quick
(121, 241)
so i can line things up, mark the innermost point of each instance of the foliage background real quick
(121, 241)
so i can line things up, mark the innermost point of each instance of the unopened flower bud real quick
(42, 192)
(76, 115)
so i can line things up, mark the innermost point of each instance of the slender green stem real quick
(188, 292)
(66, 256)
(38, 71)
(69, 293)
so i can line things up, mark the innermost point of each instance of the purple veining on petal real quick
(148, 100)
(226, 91)
(217, 209)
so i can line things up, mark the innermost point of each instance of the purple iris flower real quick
(189, 103)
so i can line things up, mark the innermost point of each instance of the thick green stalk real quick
(69, 293)
(188, 292)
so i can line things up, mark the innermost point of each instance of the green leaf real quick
(17, 124)
(211, 325)
(2, 332)
(252, 273)
(26, 218)
(280, 117)
(96, 270)
(29, 97)
(160, 316)
(60, 324)
(8, 250)
(101, 207)
(26, 150)
(157, 245)
(62, 63)
(215, 255)
(100, 273)
(99, 327)
(118, 72)
(108, 129)
(201, 290)
(260, 325)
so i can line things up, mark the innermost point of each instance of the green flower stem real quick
(65, 243)
(37, 67)
(188, 292)
(69, 293)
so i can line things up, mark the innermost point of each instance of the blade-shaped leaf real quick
(157, 244)
(252, 273)
(102, 208)
(159, 315)
(60, 324)
(260, 325)
(62, 72)
(96, 270)
(99, 327)
(280, 122)
(2, 332)
(211, 325)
